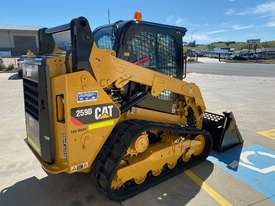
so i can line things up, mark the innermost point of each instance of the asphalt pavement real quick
(237, 69)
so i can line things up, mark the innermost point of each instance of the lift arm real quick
(109, 69)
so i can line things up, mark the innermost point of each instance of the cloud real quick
(208, 35)
(270, 23)
(225, 23)
(229, 12)
(179, 21)
(237, 27)
(241, 13)
(212, 36)
(173, 20)
(217, 31)
(265, 8)
(200, 37)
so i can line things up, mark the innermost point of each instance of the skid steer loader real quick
(113, 103)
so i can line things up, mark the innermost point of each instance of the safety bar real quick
(81, 43)
(57, 29)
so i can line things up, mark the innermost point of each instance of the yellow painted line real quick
(267, 133)
(215, 195)
(101, 124)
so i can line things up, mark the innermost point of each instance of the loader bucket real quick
(223, 129)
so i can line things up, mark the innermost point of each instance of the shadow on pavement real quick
(177, 191)
(231, 157)
(63, 189)
(80, 190)
(15, 77)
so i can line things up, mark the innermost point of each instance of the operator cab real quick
(151, 45)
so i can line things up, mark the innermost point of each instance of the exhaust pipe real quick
(223, 129)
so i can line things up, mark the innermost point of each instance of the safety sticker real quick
(79, 167)
(253, 165)
(87, 96)
(65, 149)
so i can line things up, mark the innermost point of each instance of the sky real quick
(206, 20)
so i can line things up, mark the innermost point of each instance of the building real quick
(253, 41)
(16, 40)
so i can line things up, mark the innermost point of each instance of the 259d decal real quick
(90, 114)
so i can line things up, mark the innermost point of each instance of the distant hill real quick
(235, 45)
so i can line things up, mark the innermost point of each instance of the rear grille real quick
(31, 97)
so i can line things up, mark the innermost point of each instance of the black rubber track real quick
(116, 147)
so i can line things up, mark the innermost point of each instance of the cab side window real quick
(104, 38)
(105, 42)
(152, 50)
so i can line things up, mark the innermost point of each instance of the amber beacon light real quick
(138, 16)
